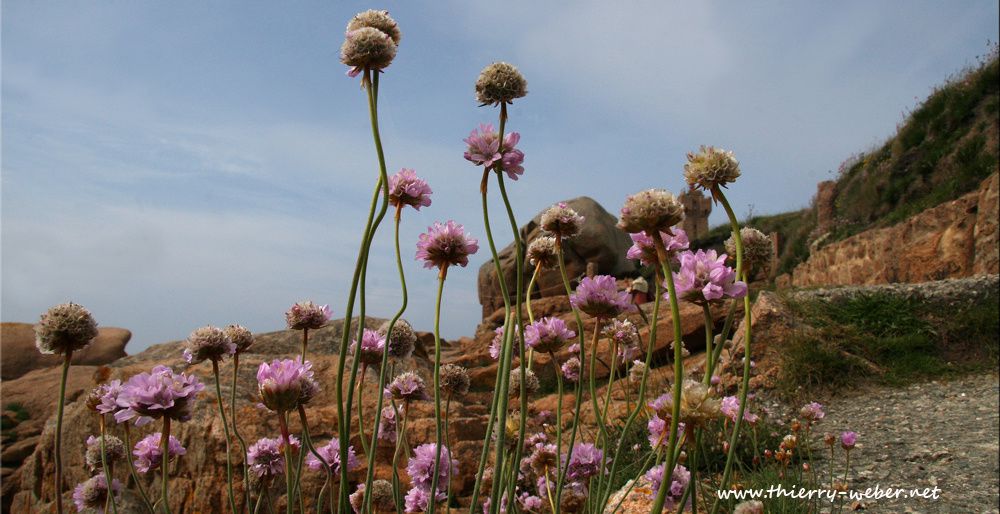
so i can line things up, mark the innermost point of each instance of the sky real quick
(175, 164)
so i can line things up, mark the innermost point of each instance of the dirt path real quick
(942, 434)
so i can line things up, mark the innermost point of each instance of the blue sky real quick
(175, 164)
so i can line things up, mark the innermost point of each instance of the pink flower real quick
(331, 456)
(372, 346)
(307, 315)
(644, 251)
(406, 188)
(484, 150)
(848, 440)
(599, 297)
(731, 408)
(704, 277)
(283, 383)
(159, 393)
(149, 451)
(547, 335)
(446, 245)
(812, 411)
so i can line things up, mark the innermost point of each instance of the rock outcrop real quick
(955, 239)
(20, 355)
(600, 243)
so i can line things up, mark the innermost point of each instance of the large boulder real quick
(600, 243)
(20, 355)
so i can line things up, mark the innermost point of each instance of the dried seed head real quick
(114, 451)
(500, 82)
(757, 249)
(402, 339)
(65, 328)
(367, 47)
(711, 167)
(651, 211)
(561, 221)
(376, 19)
(531, 384)
(454, 379)
(240, 336)
(542, 252)
(207, 343)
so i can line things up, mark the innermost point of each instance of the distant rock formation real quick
(20, 355)
(601, 244)
(697, 207)
(955, 239)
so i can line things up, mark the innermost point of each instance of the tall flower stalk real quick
(243, 339)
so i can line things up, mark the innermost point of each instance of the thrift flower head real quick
(207, 343)
(114, 451)
(454, 379)
(848, 440)
(585, 462)
(418, 500)
(307, 315)
(382, 497)
(406, 188)
(704, 277)
(446, 245)
(387, 425)
(622, 332)
(651, 211)
(711, 167)
(422, 464)
(636, 372)
(148, 451)
(543, 458)
(159, 393)
(812, 412)
(266, 457)
(644, 250)
(757, 248)
(678, 482)
(65, 328)
(376, 19)
(402, 339)
(730, 407)
(107, 397)
(367, 48)
(561, 221)
(531, 384)
(530, 503)
(697, 404)
(407, 386)
(331, 455)
(496, 344)
(240, 336)
(93, 493)
(547, 335)
(484, 150)
(499, 83)
(599, 297)
(749, 507)
(571, 369)
(281, 383)
(574, 498)
(542, 252)
(372, 346)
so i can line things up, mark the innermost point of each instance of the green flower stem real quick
(709, 366)
(519, 326)
(165, 465)
(661, 252)
(361, 408)
(344, 408)
(437, 390)
(370, 476)
(724, 334)
(239, 438)
(400, 444)
(506, 301)
(225, 429)
(578, 401)
(592, 381)
(59, 421)
(287, 443)
(641, 395)
(307, 441)
(500, 461)
(305, 342)
(107, 471)
(527, 303)
(745, 385)
(645, 464)
(447, 443)
(131, 470)
(559, 409)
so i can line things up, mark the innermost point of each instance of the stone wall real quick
(955, 239)
(697, 207)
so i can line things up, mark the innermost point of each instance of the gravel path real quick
(942, 434)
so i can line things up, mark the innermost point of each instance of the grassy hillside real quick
(945, 147)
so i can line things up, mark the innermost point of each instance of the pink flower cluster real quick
(446, 245)
(484, 150)
(704, 277)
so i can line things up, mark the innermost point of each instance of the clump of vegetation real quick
(879, 338)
